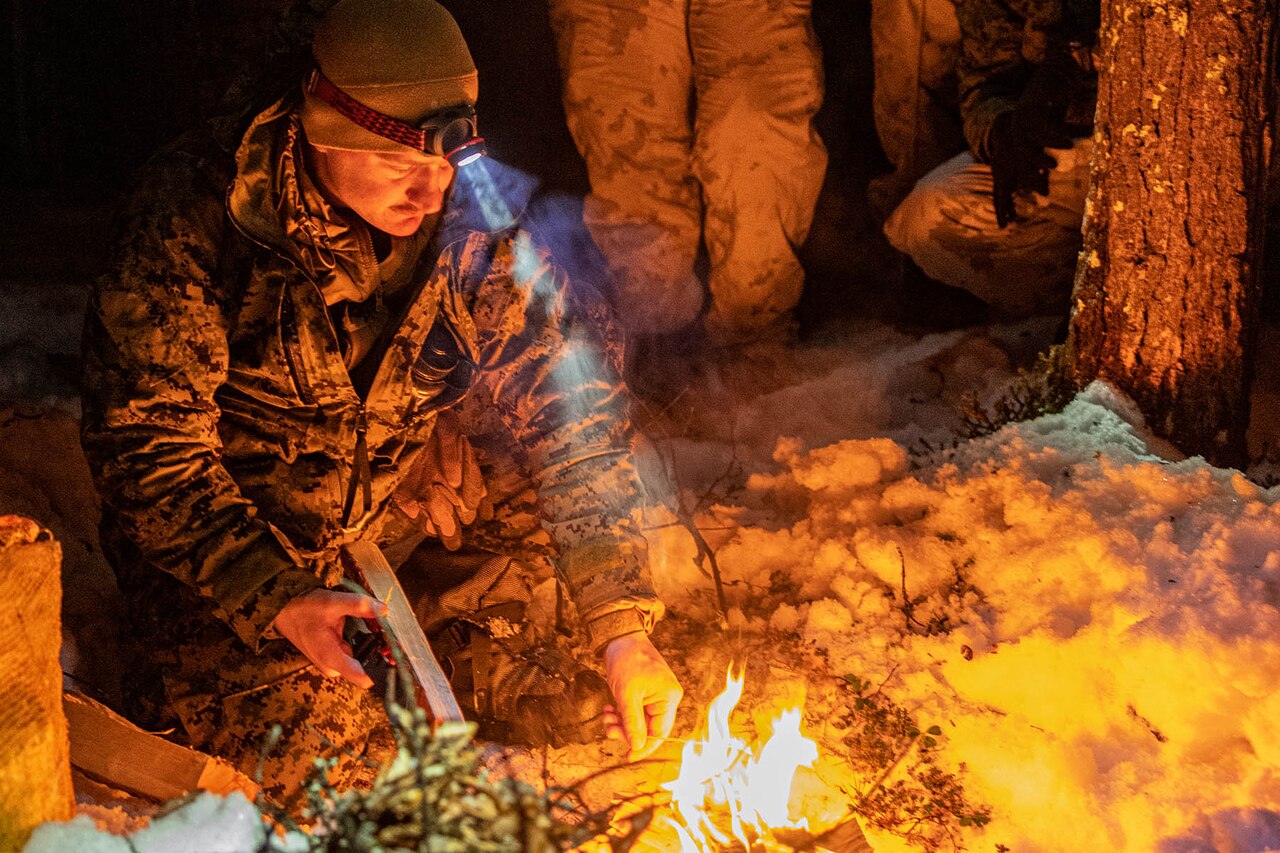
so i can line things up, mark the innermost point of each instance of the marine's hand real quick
(444, 490)
(314, 623)
(646, 691)
(1018, 162)
(1017, 140)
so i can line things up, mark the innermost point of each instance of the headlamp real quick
(450, 133)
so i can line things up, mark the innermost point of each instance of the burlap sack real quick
(35, 769)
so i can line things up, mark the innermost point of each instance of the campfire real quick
(730, 790)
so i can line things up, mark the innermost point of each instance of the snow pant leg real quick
(444, 586)
(487, 584)
(627, 88)
(947, 225)
(914, 47)
(758, 72)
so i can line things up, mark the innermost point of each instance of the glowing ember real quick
(721, 775)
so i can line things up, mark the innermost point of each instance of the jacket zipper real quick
(361, 469)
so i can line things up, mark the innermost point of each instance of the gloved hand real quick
(1018, 162)
(444, 491)
(1018, 138)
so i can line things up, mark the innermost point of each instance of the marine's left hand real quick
(445, 491)
(646, 691)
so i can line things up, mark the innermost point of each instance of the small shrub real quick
(1045, 388)
(926, 806)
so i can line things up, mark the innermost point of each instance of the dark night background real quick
(90, 89)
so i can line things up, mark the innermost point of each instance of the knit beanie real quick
(405, 58)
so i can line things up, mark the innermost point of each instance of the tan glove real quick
(445, 491)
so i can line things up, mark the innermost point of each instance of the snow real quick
(40, 343)
(1101, 656)
(1119, 617)
(205, 824)
(79, 834)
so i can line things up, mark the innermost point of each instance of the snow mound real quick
(205, 824)
(1093, 621)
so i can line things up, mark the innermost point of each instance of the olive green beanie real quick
(405, 58)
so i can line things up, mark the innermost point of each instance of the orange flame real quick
(721, 773)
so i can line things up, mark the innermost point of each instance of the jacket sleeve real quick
(992, 68)
(554, 388)
(155, 353)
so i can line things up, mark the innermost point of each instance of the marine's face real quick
(392, 191)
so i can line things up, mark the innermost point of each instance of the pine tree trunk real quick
(1168, 285)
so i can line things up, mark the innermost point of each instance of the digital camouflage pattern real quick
(199, 683)
(947, 225)
(695, 119)
(221, 425)
(1002, 42)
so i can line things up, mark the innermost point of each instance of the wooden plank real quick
(381, 581)
(106, 745)
(844, 837)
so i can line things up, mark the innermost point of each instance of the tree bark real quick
(1168, 285)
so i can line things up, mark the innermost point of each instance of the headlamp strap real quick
(367, 117)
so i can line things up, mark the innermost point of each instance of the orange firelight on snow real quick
(722, 778)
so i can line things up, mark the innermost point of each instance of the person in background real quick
(695, 119)
(1002, 220)
(915, 45)
(307, 336)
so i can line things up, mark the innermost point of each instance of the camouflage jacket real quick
(1001, 44)
(221, 426)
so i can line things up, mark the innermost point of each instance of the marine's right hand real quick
(314, 624)
(1018, 138)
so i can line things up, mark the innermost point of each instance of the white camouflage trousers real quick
(694, 118)
(914, 48)
(947, 225)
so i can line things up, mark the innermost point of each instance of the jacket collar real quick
(274, 201)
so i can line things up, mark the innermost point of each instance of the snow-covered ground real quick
(1092, 625)
(1090, 622)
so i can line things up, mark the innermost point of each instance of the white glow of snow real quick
(1124, 621)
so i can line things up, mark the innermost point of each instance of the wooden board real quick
(109, 747)
(383, 585)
